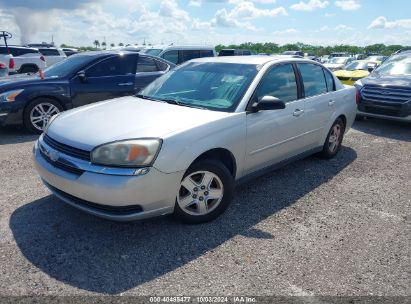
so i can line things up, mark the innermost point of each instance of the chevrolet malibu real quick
(183, 142)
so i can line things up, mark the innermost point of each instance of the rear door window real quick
(113, 66)
(206, 53)
(171, 56)
(313, 79)
(49, 52)
(189, 54)
(161, 66)
(146, 64)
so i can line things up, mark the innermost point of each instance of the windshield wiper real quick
(146, 97)
(179, 103)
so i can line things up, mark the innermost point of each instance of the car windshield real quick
(213, 86)
(358, 66)
(401, 65)
(67, 66)
(154, 52)
(338, 60)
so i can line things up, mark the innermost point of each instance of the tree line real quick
(274, 48)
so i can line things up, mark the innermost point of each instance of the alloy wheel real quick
(200, 193)
(41, 114)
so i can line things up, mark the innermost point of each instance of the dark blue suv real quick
(79, 80)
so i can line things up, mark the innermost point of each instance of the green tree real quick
(96, 43)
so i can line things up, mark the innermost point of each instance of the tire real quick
(194, 204)
(50, 108)
(334, 139)
(29, 69)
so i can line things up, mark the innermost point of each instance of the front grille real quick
(61, 165)
(65, 149)
(344, 78)
(382, 111)
(386, 94)
(113, 210)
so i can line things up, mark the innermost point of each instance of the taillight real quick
(357, 96)
(11, 63)
(2, 65)
(42, 58)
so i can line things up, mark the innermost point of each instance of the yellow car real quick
(356, 70)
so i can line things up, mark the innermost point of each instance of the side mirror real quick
(370, 69)
(82, 76)
(268, 103)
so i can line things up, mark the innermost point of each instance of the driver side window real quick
(279, 82)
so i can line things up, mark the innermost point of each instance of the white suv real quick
(26, 60)
(52, 54)
(178, 54)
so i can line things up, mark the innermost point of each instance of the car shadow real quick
(385, 128)
(109, 257)
(15, 135)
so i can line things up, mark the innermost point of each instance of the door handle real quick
(298, 112)
(331, 102)
(125, 84)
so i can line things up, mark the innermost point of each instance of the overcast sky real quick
(324, 22)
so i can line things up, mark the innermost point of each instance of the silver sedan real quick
(182, 144)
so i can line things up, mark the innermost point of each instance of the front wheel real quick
(39, 112)
(205, 192)
(334, 139)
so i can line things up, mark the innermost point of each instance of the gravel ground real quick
(315, 227)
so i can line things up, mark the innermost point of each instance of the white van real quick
(178, 54)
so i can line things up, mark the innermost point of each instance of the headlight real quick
(50, 122)
(127, 153)
(10, 96)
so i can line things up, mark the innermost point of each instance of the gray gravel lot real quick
(315, 227)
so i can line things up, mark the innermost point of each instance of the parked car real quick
(338, 54)
(79, 80)
(386, 93)
(52, 55)
(132, 48)
(25, 59)
(298, 53)
(179, 54)
(355, 70)
(379, 58)
(187, 138)
(4, 70)
(338, 63)
(70, 51)
(236, 52)
(360, 56)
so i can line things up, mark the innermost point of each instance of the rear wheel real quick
(334, 139)
(205, 192)
(38, 113)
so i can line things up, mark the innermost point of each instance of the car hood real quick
(20, 80)
(126, 118)
(382, 80)
(351, 74)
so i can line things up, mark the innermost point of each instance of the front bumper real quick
(10, 113)
(110, 196)
(385, 110)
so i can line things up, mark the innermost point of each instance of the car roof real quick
(20, 47)
(253, 59)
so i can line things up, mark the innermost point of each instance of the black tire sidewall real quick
(26, 114)
(226, 178)
(326, 153)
